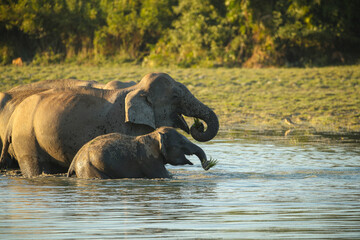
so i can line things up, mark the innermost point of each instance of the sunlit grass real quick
(324, 99)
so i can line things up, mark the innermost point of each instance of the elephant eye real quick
(176, 94)
(147, 99)
(176, 99)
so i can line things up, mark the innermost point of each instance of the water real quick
(262, 188)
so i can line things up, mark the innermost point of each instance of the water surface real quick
(262, 188)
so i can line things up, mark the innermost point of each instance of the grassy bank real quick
(317, 99)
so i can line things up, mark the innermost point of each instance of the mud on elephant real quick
(116, 155)
(47, 129)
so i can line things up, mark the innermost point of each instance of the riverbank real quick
(310, 99)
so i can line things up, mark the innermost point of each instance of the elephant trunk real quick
(195, 108)
(201, 155)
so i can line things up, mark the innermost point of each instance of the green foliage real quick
(197, 36)
(131, 26)
(250, 33)
(61, 27)
(316, 32)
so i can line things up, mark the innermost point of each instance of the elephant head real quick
(174, 147)
(158, 100)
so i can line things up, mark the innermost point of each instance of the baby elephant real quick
(116, 155)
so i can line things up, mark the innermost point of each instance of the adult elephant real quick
(12, 98)
(48, 128)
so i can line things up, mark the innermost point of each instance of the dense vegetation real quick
(250, 33)
(314, 99)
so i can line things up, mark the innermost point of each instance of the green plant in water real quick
(209, 164)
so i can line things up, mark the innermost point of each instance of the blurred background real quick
(184, 33)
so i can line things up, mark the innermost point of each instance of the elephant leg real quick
(32, 160)
(30, 166)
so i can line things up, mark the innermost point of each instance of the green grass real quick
(211, 163)
(322, 99)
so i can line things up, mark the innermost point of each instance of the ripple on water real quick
(258, 190)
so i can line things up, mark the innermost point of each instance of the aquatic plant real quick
(209, 164)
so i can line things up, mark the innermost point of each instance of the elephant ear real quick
(138, 109)
(162, 144)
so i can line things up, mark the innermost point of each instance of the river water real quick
(261, 188)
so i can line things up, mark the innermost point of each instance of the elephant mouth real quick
(188, 161)
(183, 161)
(179, 122)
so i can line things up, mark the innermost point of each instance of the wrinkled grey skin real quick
(47, 129)
(13, 97)
(115, 155)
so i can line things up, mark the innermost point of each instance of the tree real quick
(132, 27)
(197, 36)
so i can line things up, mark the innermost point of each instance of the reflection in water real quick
(260, 189)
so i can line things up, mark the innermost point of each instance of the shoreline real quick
(311, 99)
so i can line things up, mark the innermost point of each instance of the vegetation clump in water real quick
(209, 164)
